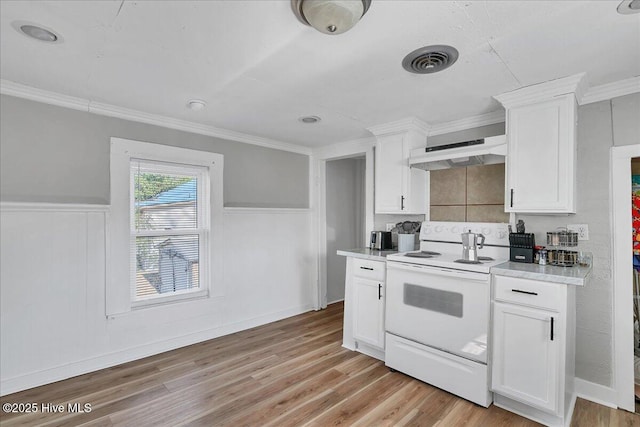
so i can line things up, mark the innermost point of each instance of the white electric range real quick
(437, 308)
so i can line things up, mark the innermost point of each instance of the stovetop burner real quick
(478, 261)
(422, 254)
(467, 261)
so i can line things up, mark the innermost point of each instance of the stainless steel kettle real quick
(471, 242)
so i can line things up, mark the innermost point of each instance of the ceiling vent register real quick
(430, 59)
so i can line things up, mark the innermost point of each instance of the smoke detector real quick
(430, 59)
(196, 104)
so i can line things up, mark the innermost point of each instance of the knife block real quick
(521, 247)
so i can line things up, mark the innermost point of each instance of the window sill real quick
(156, 301)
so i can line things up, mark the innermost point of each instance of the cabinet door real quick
(525, 355)
(392, 165)
(368, 311)
(541, 157)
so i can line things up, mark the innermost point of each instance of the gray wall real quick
(600, 126)
(55, 154)
(345, 215)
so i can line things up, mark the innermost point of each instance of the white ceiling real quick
(259, 69)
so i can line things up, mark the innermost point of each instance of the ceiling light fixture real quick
(628, 7)
(196, 104)
(310, 119)
(330, 16)
(37, 32)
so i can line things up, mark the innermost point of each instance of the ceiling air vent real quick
(430, 59)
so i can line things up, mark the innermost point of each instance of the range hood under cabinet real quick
(485, 151)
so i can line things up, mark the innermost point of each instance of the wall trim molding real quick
(398, 126)
(597, 393)
(468, 123)
(585, 95)
(232, 210)
(52, 207)
(53, 98)
(344, 149)
(35, 379)
(612, 90)
(574, 84)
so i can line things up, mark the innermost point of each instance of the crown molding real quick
(402, 125)
(575, 84)
(468, 123)
(612, 90)
(39, 95)
(53, 98)
(344, 149)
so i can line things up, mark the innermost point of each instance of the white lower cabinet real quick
(533, 349)
(525, 357)
(363, 328)
(368, 312)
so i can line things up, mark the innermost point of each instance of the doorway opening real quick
(623, 273)
(635, 223)
(345, 218)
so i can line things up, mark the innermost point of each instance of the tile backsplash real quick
(471, 194)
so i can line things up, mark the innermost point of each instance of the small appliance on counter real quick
(521, 247)
(471, 242)
(381, 240)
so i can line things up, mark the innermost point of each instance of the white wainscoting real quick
(52, 290)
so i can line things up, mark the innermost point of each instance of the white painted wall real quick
(345, 218)
(53, 278)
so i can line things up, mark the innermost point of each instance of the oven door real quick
(443, 308)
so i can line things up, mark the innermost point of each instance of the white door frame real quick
(321, 156)
(622, 272)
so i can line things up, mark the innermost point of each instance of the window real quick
(166, 204)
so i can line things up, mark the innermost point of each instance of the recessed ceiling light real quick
(310, 119)
(196, 104)
(629, 6)
(37, 32)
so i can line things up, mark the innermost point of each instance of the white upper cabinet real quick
(541, 159)
(400, 189)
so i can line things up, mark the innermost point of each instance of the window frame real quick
(202, 231)
(120, 291)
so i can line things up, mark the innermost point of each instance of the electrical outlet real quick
(581, 229)
(390, 225)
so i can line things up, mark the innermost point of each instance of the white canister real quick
(406, 242)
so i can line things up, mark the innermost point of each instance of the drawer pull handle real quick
(551, 328)
(524, 292)
(366, 268)
(379, 291)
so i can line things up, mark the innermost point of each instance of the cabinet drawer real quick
(368, 269)
(528, 292)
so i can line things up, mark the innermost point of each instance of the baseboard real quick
(335, 301)
(47, 376)
(596, 393)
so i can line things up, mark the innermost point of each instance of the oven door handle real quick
(447, 272)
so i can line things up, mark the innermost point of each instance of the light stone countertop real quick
(366, 253)
(547, 273)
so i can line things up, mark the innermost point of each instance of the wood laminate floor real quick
(289, 373)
